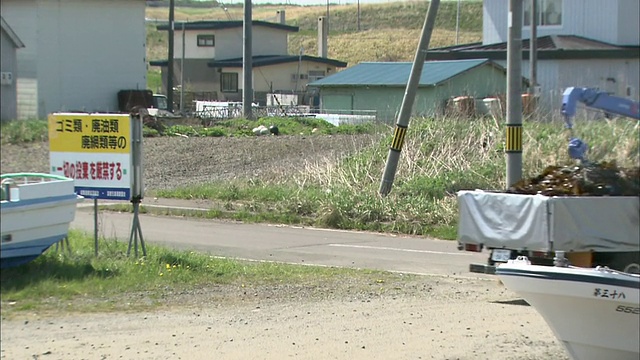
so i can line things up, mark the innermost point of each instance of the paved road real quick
(290, 244)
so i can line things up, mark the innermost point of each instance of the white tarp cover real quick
(542, 223)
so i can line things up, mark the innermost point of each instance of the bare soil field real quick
(178, 161)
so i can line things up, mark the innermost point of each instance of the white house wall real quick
(610, 21)
(191, 49)
(265, 41)
(279, 77)
(78, 54)
(228, 43)
(21, 16)
(94, 49)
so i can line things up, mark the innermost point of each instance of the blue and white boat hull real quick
(594, 312)
(37, 217)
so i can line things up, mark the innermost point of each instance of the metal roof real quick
(12, 35)
(548, 47)
(218, 25)
(265, 60)
(397, 73)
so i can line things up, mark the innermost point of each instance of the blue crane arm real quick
(598, 100)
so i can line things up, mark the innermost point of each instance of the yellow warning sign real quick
(514, 138)
(398, 137)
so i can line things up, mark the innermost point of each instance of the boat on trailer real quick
(36, 212)
(594, 312)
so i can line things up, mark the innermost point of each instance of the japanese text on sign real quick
(101, 133)
(93, 170)
(95, 151)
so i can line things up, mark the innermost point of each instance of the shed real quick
(380, 86)
(563, 61)
(9, 43)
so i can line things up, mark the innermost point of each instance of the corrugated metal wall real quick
(613, 75)
(8, 108)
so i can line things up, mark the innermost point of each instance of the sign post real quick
(96, 151)
(137, 188)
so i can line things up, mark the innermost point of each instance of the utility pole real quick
(327, 16)
(513, 146)
(407, 102)
(182, 74)
(170, 64)
(247, 65)
(533, 48)
(358, 15)
(458, 23)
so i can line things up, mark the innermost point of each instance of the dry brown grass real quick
(392, 35)
(377, 45)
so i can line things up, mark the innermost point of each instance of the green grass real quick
(440, 157)
(154, 80)
(78, 281)
(23, 131)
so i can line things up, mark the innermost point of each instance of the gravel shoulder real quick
(436, 318)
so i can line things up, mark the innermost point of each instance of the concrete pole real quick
(458, 23)
(170, 64)
(327, 16)
(358, 15)
(182, 73)
(247, 64)
(513, 146)
(533, 48)
(407, 102)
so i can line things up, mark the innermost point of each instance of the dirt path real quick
(449, 319)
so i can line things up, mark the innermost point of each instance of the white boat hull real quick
(595, 313)
(39, 218)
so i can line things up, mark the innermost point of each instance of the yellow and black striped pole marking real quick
(398, 137)
(514, 138)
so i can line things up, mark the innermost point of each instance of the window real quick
(316, 75)
(229, 82)
(549, 12)
(206, 40)
(295, 77)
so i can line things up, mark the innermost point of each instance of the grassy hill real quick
(388, 31)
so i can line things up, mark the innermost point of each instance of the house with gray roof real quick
(585, 44)
(213, 60)
(9, 43)
(379, 86)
